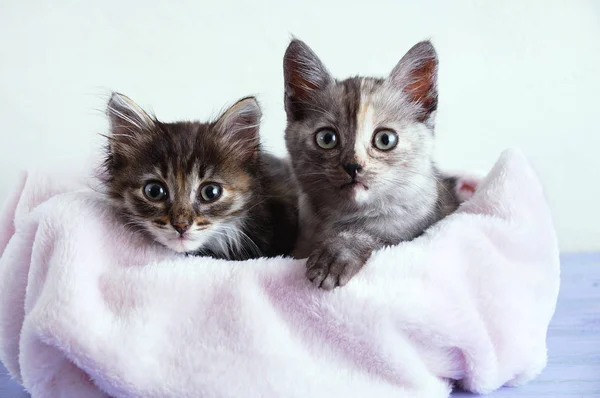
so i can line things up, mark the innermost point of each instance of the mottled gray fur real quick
(395, 194)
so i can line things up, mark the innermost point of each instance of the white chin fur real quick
(170, 239)
(183, 246)
(361, 195)
(219, 238)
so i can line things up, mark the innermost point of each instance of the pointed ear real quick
(127, 120)
(239, 127)
(303, 72)
(416, 75)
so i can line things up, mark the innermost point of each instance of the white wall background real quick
(517, 73)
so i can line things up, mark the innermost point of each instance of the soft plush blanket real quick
(90, 309)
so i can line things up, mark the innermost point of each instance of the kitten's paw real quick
(329, 268)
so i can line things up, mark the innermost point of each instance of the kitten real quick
(202, 188)
(361, 151)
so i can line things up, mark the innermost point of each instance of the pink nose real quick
(181, 226)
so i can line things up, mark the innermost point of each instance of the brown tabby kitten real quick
(202, 188)
(361, 151)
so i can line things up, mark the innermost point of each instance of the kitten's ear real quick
(127, 119)
(303, 72)
(239, 127)
(416, 75)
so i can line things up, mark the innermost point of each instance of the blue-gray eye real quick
(155, 191)
(326, 139)
(210, 192)
(385, 140)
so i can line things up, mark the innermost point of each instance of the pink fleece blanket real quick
(88, 309)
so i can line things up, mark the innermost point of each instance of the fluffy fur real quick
(396, 194)
(255, 213)
(96, 312)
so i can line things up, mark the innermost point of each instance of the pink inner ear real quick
(465, 188)
(422, 81)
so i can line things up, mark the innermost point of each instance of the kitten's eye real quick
(155, 191)
(326, 139)
(210, 192)
(385, 140)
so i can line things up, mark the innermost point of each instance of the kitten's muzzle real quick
(181, 226)
(352, 169)
(354, 184)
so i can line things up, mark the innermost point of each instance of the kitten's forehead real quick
(344, 103)
(383, 100)
(173, 149)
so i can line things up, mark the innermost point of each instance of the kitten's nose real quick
(352, 169)
(181, 226)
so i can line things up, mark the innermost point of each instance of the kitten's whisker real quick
(441, 182)
(261, 202)
(239, 233)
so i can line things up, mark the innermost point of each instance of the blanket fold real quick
(89, 309)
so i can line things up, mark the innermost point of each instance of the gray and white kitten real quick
(200, 188)
(361, 151)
